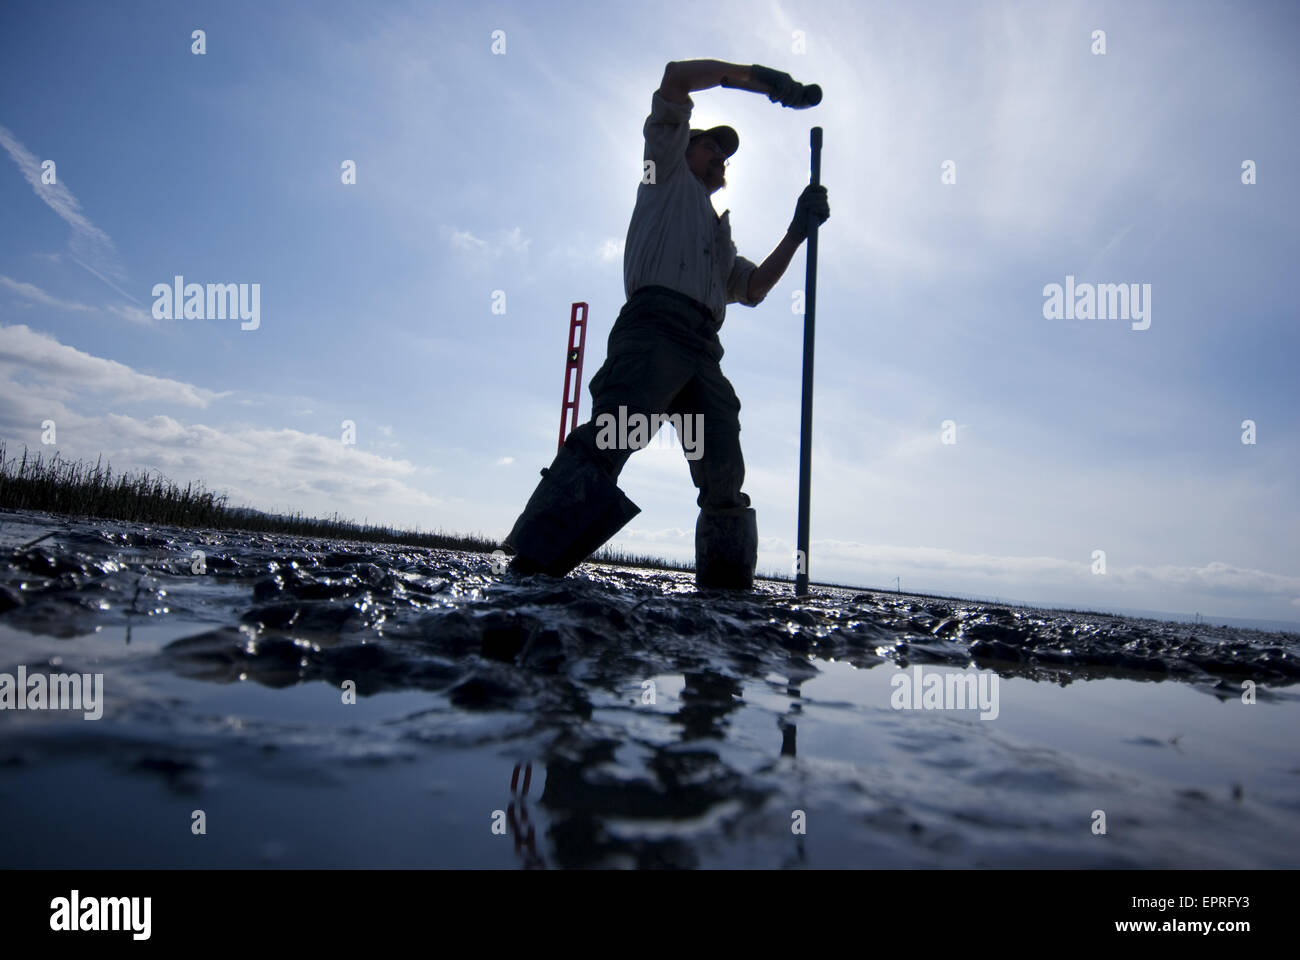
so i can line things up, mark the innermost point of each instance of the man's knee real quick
(719, 470)
(722, 498)
(585, 442)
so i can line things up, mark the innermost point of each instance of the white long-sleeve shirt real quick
(675, 239)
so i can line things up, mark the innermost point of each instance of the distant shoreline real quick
(80, 489)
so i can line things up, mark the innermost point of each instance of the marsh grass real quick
(82, 489)
(78, 488)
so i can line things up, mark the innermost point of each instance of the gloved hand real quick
(783, 88)
(813, 202)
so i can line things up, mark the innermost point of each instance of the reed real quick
(79, 488)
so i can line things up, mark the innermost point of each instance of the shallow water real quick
(502, 721)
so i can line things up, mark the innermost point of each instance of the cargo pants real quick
(663, 358)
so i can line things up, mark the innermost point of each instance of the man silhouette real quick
(680, 270)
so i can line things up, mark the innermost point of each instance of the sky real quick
(967, 439)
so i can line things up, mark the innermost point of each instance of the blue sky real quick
(479, 172)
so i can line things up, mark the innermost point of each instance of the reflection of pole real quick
(790, 748)
(521, 826)
(514, 778)
(805, 423)
(573, 370)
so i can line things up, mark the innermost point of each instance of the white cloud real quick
(514, 241)
(272, 468)
(62, 371)
(1214, 578)
(508, 241)
(93, 247)
(30, 291)
(132, 314)
(464, 240)
(34, 293)
(668, 535)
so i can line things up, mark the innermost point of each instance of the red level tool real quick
(573, 370)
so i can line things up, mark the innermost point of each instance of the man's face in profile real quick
(707, 162)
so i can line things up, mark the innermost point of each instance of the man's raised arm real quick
(683, 77)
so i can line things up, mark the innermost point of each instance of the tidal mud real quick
(325, 703)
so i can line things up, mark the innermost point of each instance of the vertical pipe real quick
(805, 423)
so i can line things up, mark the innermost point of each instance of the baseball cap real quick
(725, 137)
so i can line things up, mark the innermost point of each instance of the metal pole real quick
(805, 424)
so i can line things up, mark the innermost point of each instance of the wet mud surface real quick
(615, 718)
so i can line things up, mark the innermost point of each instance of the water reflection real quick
(538, 669)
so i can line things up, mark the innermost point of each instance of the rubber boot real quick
(573, 511)
(726, 548)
